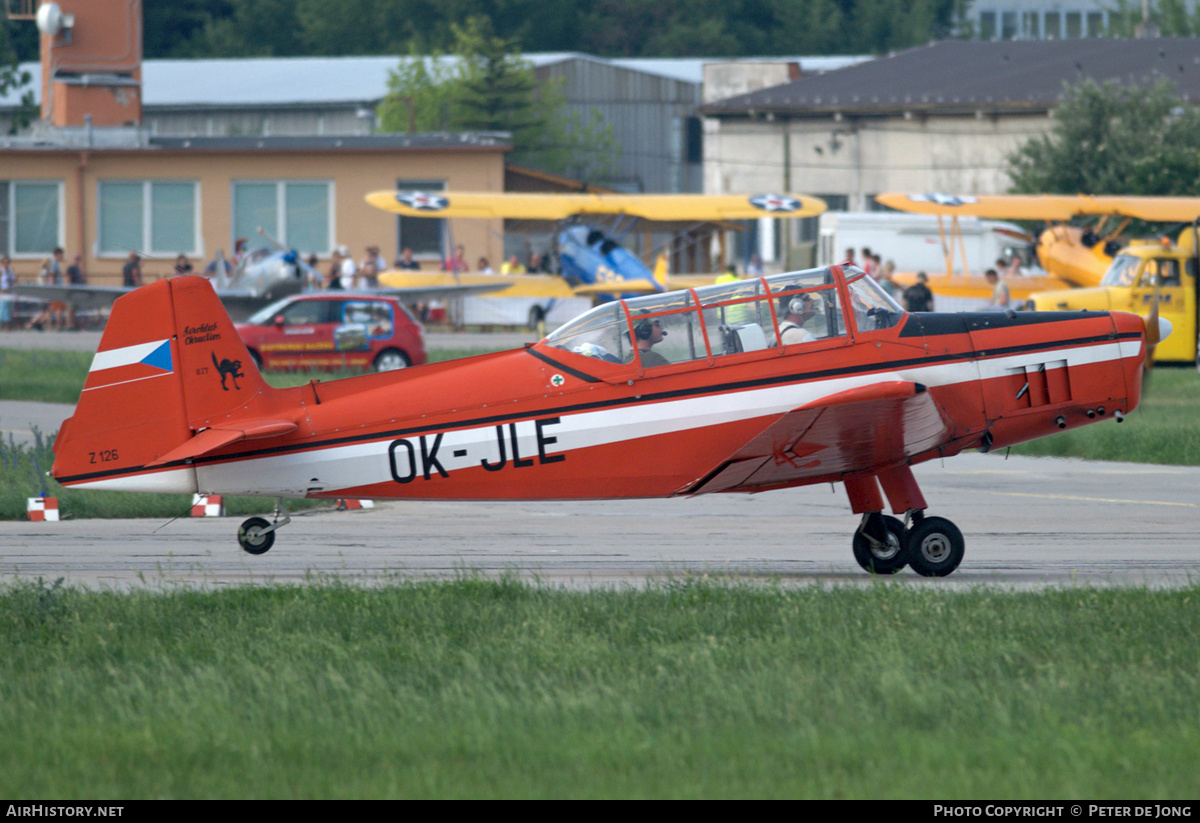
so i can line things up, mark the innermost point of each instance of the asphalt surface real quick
(1028, 523)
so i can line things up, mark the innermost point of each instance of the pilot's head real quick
(800, 306)
(649, 329)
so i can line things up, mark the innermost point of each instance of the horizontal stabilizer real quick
(210, 440)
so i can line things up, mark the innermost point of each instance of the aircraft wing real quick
(525, 206)
(1045, 206)
(440, 292)
(83, 298)
(843, 433)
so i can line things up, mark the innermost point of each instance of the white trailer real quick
(915, 243)
(487, 310)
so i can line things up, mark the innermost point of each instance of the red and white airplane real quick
(807, 377)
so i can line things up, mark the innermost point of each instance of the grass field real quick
(689, 690)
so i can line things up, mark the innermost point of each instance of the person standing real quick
(918, 296)
(131, 272)
(8, 284)
(405, 261)
(368, 271)
(347, 271)
(75, 273)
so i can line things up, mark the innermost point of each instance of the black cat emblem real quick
(233, 368)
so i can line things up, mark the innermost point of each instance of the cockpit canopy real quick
(728, 318)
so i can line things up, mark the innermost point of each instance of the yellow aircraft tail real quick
(662, 268)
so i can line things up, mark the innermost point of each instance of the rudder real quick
(155, 381)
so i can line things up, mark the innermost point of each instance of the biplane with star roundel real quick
(592, 260)
(794, 379)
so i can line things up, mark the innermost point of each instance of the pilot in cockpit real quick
(795, 312)
(647, 333)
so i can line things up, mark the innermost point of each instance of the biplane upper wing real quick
(1045, 206)
(521, 206)
(843, 433)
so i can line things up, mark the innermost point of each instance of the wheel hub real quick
(935, 547)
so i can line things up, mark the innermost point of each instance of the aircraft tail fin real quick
(662, 268)
(170, 366)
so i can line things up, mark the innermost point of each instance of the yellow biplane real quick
(592, 262)
(1071, 256)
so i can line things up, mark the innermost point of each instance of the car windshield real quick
(1122, 271)
(266, 315)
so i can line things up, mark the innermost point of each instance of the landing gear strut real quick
(932, 546)
(257, 536)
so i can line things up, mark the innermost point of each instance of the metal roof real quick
(966, 75)
(310, 81)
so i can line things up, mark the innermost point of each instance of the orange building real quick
(91, 179)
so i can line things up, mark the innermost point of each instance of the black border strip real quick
(574, 372)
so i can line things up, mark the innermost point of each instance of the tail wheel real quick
(253, 538)
(935, 547)
(881, 554)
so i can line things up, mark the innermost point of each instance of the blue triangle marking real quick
(160, 358)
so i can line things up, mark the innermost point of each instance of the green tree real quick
(1114, 139)
(1174, 18)
(487, 86)
(13, 78)
(419, 94)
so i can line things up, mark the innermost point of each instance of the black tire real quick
(887, 559)
(253, 539)
(257, 360)
(935, 547)
(392, 360)
(536, 316)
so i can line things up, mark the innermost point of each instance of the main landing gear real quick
(257, 536)
(932, 546)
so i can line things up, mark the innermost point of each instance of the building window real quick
(1074, 25)
(296, 213)
(1095, 24)
(1053, 25)
(1008, 25)
(1030, 24)
(157, 217)
(987, 25)
(421, 234)
(30, 217)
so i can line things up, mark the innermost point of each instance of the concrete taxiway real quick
(1027, 522)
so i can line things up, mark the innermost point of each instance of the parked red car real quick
(334, 331)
